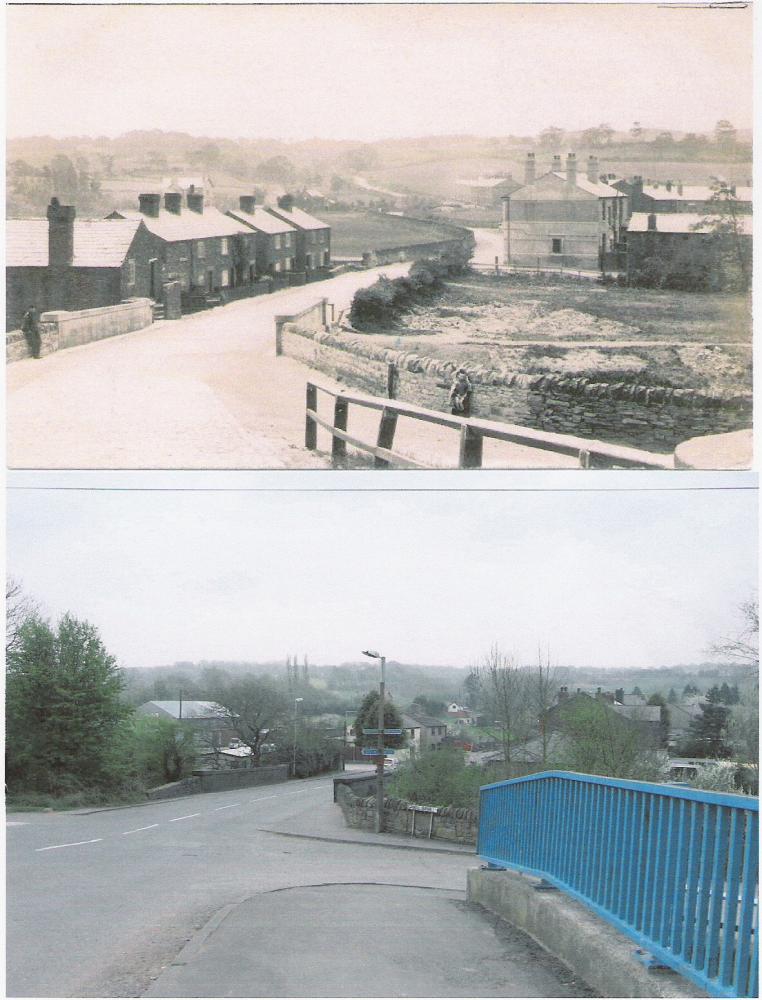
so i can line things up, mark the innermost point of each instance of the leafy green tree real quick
(163, 750)
(725, 134)
(690, 689)
(431, 706)
(708, 732)
(636, 131)
(277, 168)
(729, 248)
(367, 718)
(64, 712)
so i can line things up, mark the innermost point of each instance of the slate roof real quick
(682, 222)
(300, 219)
(262, 220)
(191, 709)
(97, 242)
(690, 193)
(186, 225)
(599, 189)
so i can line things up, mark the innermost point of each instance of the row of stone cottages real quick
(67, 263)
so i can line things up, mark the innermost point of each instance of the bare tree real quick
(503, 688)
(253, 708)
(744, 646)
(542, 687)
(19, 607)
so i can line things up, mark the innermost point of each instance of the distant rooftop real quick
(682, 222)
(262, 220)
(190, 709)
(186, 225)
(97, 242)
(300, 219)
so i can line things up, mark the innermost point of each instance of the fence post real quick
(386, 430)
(392, 375)
(471, 442)
(279, 321)
(340, 413)
(310, 427)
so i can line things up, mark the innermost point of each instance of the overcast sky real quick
(368, 72)
(604, 577)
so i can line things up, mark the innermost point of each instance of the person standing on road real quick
(30, 327)
(460, 394)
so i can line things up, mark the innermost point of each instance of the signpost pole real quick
(380, 759)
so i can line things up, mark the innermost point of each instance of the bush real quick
(438, 778)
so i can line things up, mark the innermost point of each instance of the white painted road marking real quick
(139, 829)
(54, 847)
(15, 822)
(189, 816)
(231, 806)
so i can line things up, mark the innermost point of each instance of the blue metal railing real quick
(673, 868)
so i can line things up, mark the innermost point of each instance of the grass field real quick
(354, 233)
(656, 338)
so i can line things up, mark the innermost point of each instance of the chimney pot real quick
(195, 200)
(530, 169)
(592, 169)
(652, 222)
(150, 204)
(571, 168)
(247, 203)
(173, 202)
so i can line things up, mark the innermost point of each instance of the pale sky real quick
(365, 72)
(603, 575)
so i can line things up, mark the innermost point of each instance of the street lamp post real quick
(296, 717)
(380, 725)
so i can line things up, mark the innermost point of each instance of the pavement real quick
(257, 892)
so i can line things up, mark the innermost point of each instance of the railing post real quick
(392, 377)
(310, 427)
(340, 414)
(471, 442)
(386, 429)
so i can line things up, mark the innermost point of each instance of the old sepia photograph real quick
(504, 744)
(372, 236)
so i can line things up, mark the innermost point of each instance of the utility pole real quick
(380, 725)
(296, 717)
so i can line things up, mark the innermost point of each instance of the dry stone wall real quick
(459, 826)
(648, 417)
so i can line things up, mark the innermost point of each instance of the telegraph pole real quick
(380, 725)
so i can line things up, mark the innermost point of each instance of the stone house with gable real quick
(199, 246)
(313, 237)
(66, 263)
(564, 218)
(274, 239)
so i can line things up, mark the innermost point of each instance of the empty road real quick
(102, 904)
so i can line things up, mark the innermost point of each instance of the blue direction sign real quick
(391, 732)
(371, 732)
(370, 751)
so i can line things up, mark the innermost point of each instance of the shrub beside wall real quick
(459, 826)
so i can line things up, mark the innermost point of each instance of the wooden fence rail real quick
(591, 454)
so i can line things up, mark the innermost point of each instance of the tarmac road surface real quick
(105, 903)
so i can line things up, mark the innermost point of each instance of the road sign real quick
(389, 752)
(371, 732)
(370, 751)
(391, 732)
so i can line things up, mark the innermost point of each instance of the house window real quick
(225, 278)
(287, 240)
(130, 271)
(201, 249)
(287, 263)
(556, 244)
(277, 266)
(224, 249)
(325, 258)
(277, 243)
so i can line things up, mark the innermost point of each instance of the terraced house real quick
(64, 263)
(199, 246)
(313, 236)
(274, 240)
(564, 218)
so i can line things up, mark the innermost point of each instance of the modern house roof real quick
(185, 225)
(190, 709)
(97, 242)
(416, 721)
(262, 220)
(682, 222)
(300, 219)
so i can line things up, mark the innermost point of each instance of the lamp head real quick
(372, 654)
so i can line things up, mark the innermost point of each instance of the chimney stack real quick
(563, 693)
(668, 185)
(173, 202)
(150, 204)
(571, 168)
(60, 234)
(530, 168)
(652, 222)
(247, 203)
(557, 163)
(195, 200)
(680, 188)
(592, 169)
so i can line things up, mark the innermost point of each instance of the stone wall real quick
(220, 781)
(59, 330)
(459, 826)
(655, 419)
